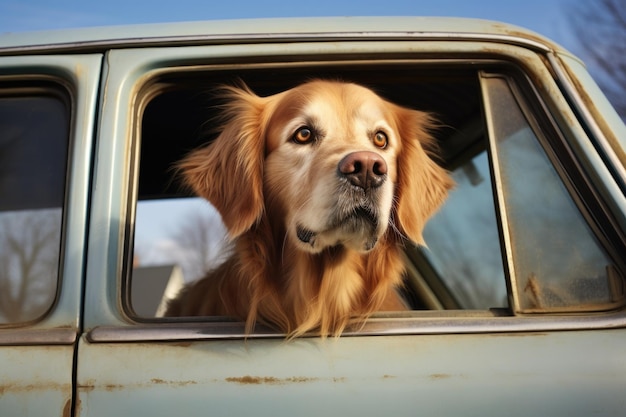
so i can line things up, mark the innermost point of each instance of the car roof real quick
(277, 30)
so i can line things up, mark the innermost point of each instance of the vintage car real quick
(518, 302)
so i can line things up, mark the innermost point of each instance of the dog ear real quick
(422, 185)
(229, 171)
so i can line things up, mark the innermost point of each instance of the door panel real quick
(36, 380)
(46, 132)
(488, 372)
(507, 374)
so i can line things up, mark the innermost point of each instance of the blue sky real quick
(548, 17)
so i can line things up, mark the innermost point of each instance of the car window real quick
(178, 237)
(556, 261)
(465, 264)
(463, 241)
(173, 249)
(34, 132)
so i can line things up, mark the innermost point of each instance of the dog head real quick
(333, 162)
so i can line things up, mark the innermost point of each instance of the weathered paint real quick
(35, 380)
(81, 73)
(36, 359)
(563, 373)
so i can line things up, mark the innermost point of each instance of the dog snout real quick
(363, 169)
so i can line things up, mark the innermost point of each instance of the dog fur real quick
(319, 187)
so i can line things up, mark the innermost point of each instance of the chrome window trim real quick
(243, 38)
(578, 102)
(421, 323)
(498, 190)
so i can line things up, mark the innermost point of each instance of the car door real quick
(500, 327)
(47, 115)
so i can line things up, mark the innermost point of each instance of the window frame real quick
(122, 326)
(77, 77)
(577, 185)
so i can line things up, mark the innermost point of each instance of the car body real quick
(519, 301)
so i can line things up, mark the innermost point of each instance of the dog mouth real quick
(359, 226)
(361, 216)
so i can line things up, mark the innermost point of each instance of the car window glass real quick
(463, 242)
(555, 260)
(34, 132)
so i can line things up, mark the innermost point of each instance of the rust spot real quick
(91, 386)
(174, 383)
(52, 386)
(439, 376)
(77, 407)
(67, 408)
(269, 380)
(534, 290)
(86, 387)
(389, 376)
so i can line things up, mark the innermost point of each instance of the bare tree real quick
(600, 28)
(202, 237)
(29, 257)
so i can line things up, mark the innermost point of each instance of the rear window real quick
(34, 134)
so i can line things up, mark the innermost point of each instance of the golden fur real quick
(312, 250)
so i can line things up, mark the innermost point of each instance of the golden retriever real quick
(319, 187)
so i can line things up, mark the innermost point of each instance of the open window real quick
(467, 264)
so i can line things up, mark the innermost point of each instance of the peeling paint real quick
(174, 383)
(107, 387)
(257, 380)
(90, 386)
(85, 388)
(270, 380)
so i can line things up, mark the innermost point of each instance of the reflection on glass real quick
(463, 242)
(29, 258)
(33, 155)
(556, 261)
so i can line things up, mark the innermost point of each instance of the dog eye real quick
(380, 140)
(303, 135)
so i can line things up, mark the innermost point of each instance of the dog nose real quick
(363, 169)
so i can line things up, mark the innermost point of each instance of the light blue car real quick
(518, 303)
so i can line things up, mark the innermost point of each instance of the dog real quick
(319, 187)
